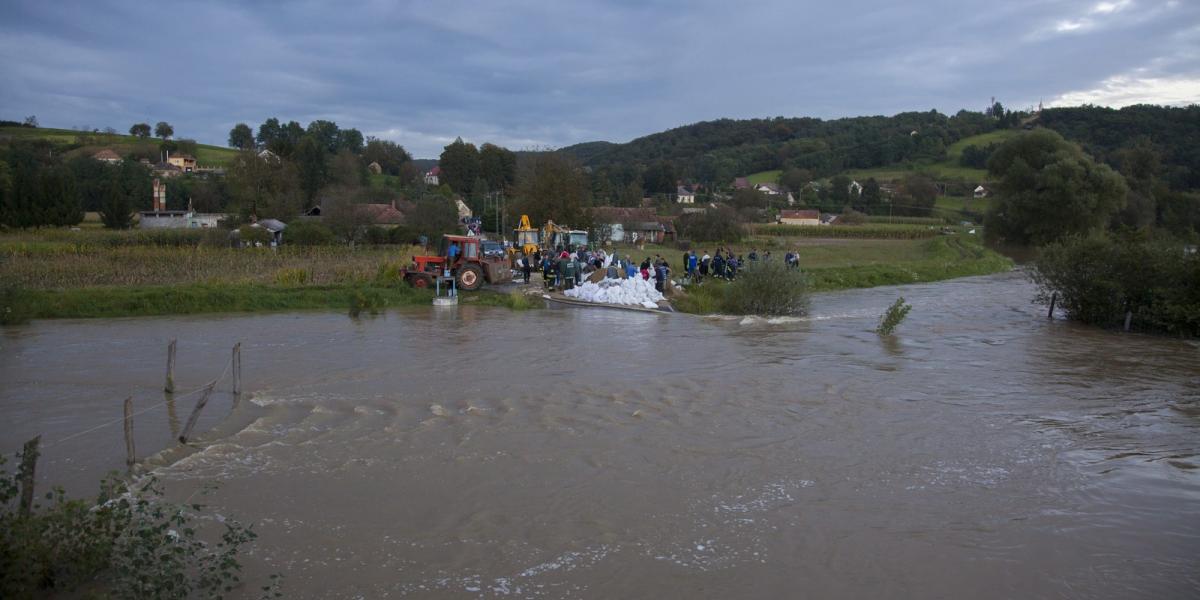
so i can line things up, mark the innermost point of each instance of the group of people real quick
(724, 265)
(564, 268)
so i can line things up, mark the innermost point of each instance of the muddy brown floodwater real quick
(984, 452)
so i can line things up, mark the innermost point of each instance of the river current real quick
(983, 451)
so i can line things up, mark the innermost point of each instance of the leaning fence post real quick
(1053, 300)
(130, 455)
(237, 369)
(191, 422)
(170, 387)
(25, 473)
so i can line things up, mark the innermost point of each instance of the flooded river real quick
(984, 452)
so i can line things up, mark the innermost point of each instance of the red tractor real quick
(470, 266)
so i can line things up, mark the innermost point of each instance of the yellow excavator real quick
(526, 238)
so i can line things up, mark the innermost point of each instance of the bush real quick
(1098, 279)
(850, 216)
(14, 307)
(366, 300)
(309, 233)
(251, 235)
(129, 542)
(892, 318)
(766, 287)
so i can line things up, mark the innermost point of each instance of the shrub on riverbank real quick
(129, 543)
(767, 288)
(1099, 278)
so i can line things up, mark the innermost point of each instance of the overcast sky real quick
(554, 73)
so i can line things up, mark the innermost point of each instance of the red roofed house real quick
(800, 217)
(107, 156)
(741, 183)
(431, 178)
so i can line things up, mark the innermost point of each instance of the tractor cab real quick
(469, 267)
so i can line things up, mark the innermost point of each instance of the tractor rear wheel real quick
(470, 277)
(420, 281)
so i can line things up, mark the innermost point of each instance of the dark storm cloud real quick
(534, 74)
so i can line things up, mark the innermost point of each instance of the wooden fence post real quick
(237, 370)
(130, 454)
(1053, 301)
(170, 387)
(191, 422)
(172, 416)
(25, 473)
(1128, 319)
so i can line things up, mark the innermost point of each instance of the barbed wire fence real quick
(32, 449)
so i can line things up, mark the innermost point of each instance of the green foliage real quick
(312, 165)
(309, 233)
(768, 288)
(117, 205)
(893, 316)
(710, 226)
(241, 137)
(366, 300)
(14, 306)
(251, 235)
(140, 130)
(163, 130)
(1098, 278)
(129, 542)
(433, 216)
(291, 277)
(550, 186)
(460, 166)
(1047, 188)
(497, 167)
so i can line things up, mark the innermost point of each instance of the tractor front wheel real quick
(470, 277)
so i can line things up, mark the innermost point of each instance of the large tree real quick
(313, 165)
(1047, 188)
(350, 139)
(164, 130)
(60, 197)
(241, 137)
(551, 186)
(325, 134)
(265, 188)
(460, 166)
(140, 130)
(390, 155)
(498, 166)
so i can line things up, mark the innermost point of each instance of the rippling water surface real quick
(982, 452)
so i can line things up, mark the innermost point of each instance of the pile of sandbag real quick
(634, 291)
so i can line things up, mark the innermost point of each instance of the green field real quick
(764, 177)
(954, 152)
(206, 155)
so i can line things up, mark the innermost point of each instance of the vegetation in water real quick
(126, 543)
(892, 318)
(1099, 278)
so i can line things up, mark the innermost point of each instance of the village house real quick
(185, 162)
(108, 156)
(741, 183)
(161, 218)
(981, 192)
(268, 156)
(620, 224)
(431, 177)
(683, 195)
(800, 217)
(164, 169)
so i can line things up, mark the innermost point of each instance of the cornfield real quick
(48, 265)
(878, 219)
(865, 232)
